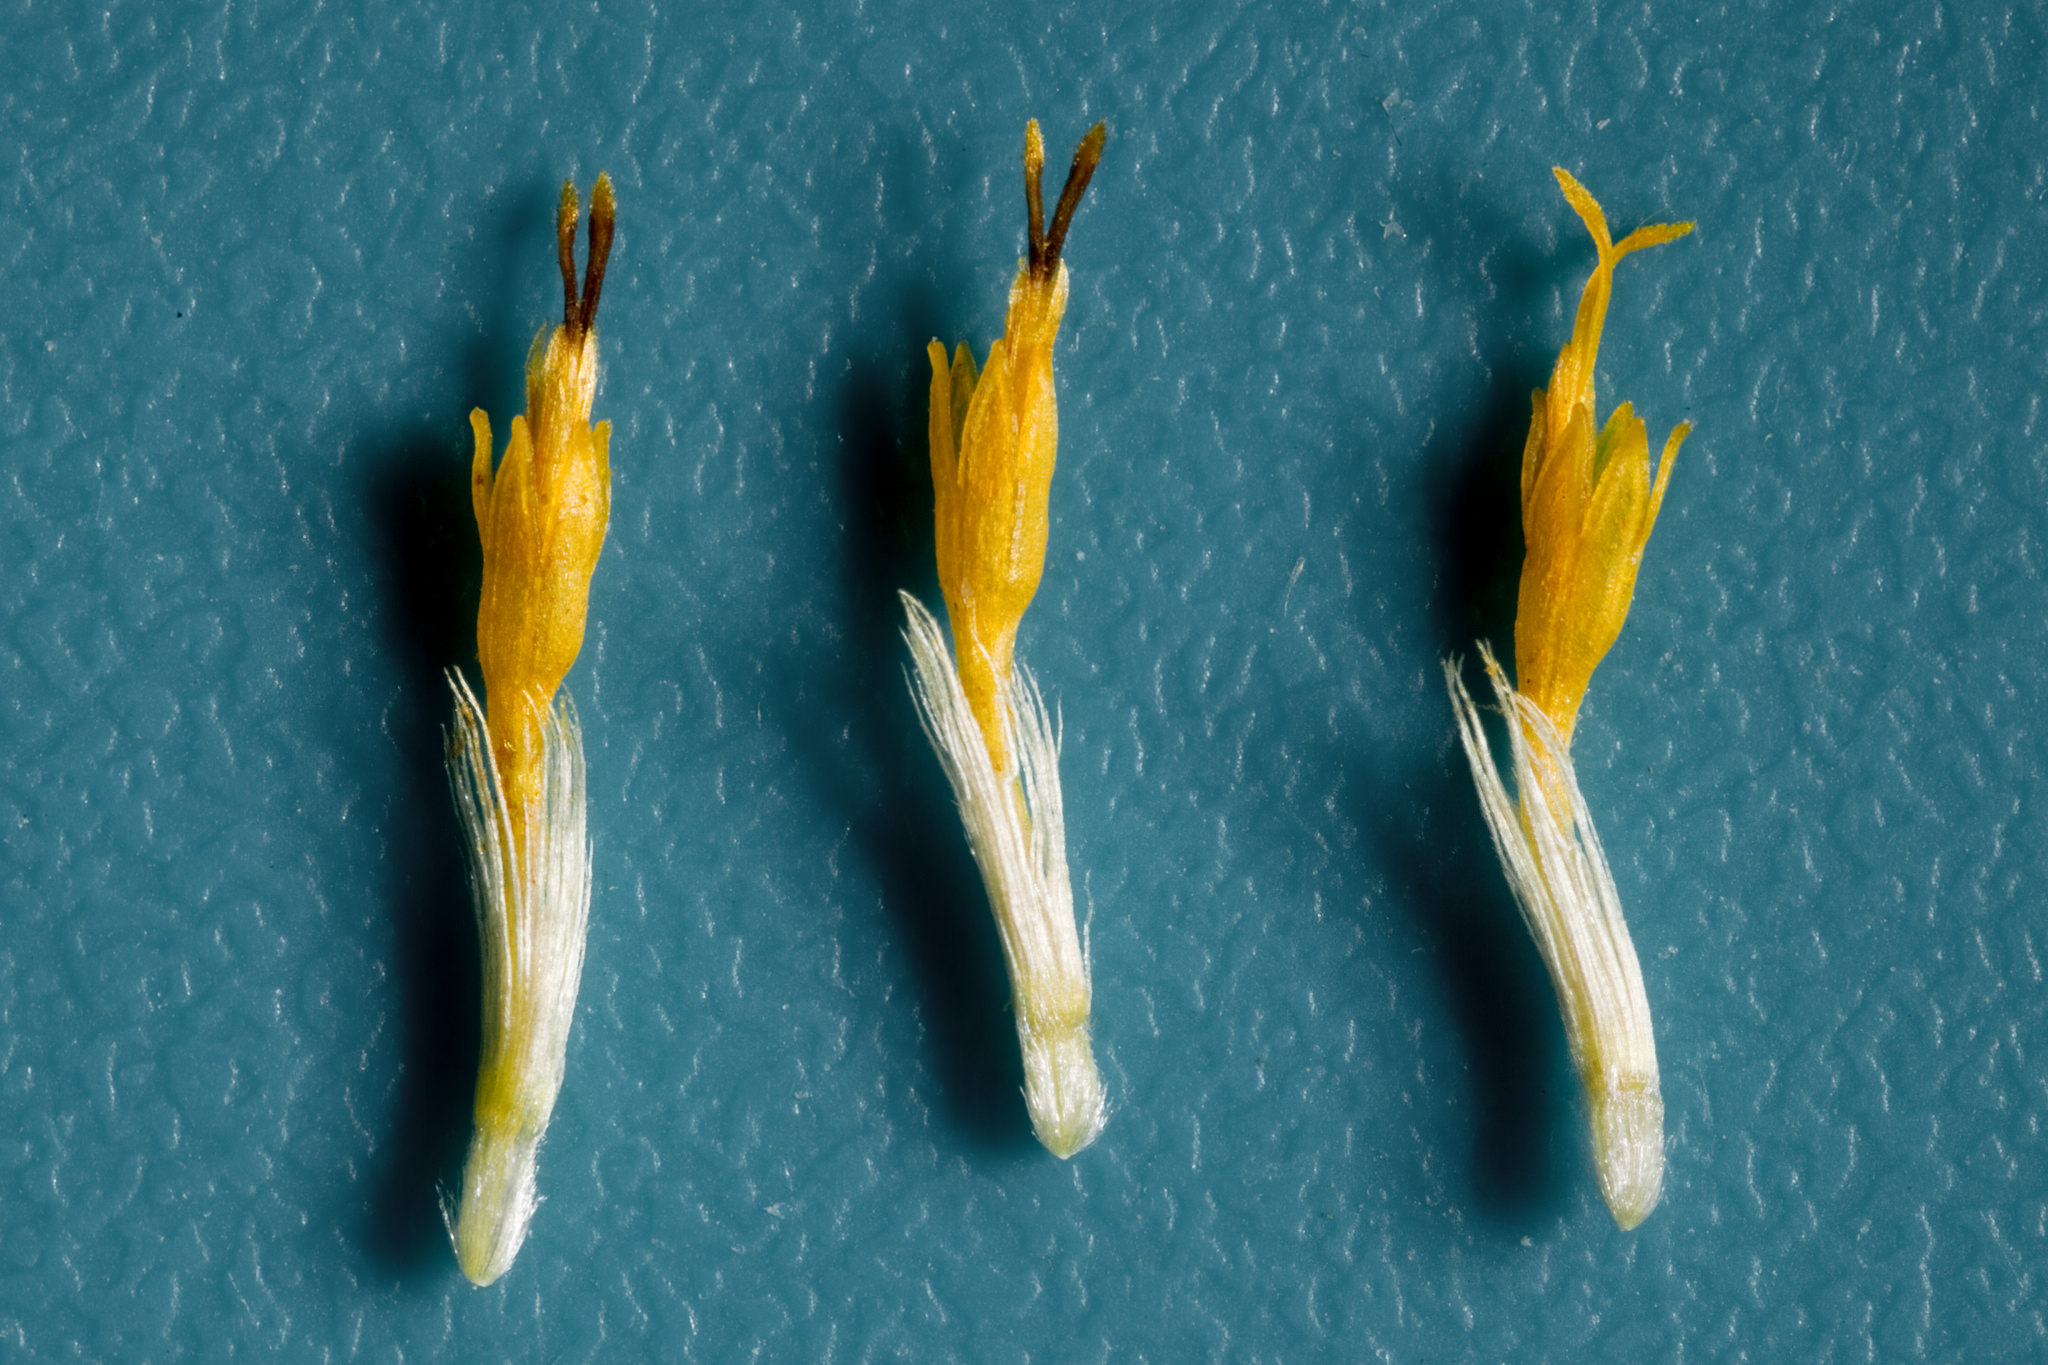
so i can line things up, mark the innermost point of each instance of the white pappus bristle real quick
(531, 918)
(1016, 829)
(1561, 881)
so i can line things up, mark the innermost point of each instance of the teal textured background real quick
(260, 259)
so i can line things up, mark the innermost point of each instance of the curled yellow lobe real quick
(994, 436)
(1588, 497)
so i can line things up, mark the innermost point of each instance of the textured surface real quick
(262, 258)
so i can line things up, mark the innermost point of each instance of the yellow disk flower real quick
(518, 769)
(1589, 500)
(994, 436)
(993, 439)
(542, 517)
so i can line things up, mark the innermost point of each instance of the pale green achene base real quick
(1561, 881)
(532, 922)
(1016, 828)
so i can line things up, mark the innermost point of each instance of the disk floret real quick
(994, 437)
(517, 763)
(1589, 501)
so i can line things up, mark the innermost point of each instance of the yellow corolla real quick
(518, 769)
(542, 516)
(993, 439)
(1588, 503)
(1588, 499)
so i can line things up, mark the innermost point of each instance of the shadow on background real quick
(415, 497)
(1438, 856)
(860, 736)
(429, 566)
(852, 723)
(1439, 859)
